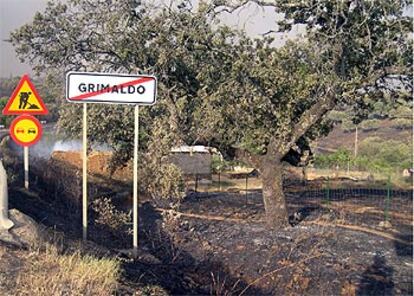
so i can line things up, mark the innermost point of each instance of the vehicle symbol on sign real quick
(20, 130)
(31, 131)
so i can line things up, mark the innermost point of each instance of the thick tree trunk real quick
(273, 196)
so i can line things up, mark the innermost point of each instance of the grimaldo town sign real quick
(110, 88)
(90, 87)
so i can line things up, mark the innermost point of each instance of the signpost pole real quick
(135, 185)
(84, 175)
(26, 167)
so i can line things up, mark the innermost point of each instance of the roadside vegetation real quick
(374, 155)
(49, 271)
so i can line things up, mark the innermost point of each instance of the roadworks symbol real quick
(25, 99)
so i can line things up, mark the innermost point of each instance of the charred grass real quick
(216, 244)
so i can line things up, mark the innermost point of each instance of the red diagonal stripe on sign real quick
(99, 92)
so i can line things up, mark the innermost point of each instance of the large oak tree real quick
(219, 87)
(354, 52)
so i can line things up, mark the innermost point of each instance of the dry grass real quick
(325, 173)
(46, 272)
(227, 184)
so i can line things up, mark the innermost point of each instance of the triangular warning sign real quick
(25, 100)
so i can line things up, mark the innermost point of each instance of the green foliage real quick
(4, 120)
(165, 182)
(217, 164)
(158, 177)
(348, 126)
(338, 116)
(383, 156)
(174, 45)
(375, 155)
(50, 89)
(370, 124)
(402, 123)
(7, 85)
(339, 159)
(217, 86)
(117, 221)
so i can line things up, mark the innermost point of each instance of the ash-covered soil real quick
(217, 243)
(307, 259)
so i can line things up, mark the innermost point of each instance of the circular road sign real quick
(26, 130)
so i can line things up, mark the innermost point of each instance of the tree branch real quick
(310, 117)
(280, 147)
(248, 158)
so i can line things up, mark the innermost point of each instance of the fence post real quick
(247, 177)
(388, 200)
(219, 180)
(328, 192)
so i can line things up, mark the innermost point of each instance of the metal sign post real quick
(26, 130)
(85, 174)
(135, 185)
(26, 167)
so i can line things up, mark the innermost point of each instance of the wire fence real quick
(366, 201)
(361, 203)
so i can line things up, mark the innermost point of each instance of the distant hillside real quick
(340, 137)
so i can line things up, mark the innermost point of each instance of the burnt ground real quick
(217, 243)
(313, 259)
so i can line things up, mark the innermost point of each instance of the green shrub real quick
(217, 164)
(5, 120)
(402, 123)
(108, 215)
(369, 125)
(374, 155)
(379, 155)
(338, 116)
(401, 112)
(165, 182)
(158, 177)
(348, 126)
(339, 158)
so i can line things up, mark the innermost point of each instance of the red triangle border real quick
(6, 110)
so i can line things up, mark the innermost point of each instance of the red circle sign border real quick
(35, 121)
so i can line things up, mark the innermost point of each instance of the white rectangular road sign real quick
(91, 87)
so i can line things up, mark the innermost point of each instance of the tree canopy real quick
(219, 87)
